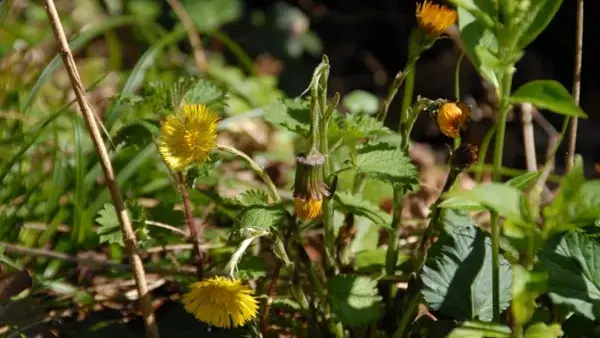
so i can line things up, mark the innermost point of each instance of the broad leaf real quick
(258, 219)
(473, 329)
(548, 94)
(360, 101)
(356, 205)
(354, 299)
(138, 134)
(205, 92)
(502, 198)
(542, 330)
(385, 162)
(537, 17)
(252, 197)
(293, 115)
(251, 267)
(457, 281)
(526, 288)
(573, 268)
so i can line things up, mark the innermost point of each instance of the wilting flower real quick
(452, 118)
(221, 302)
(188, 136)
(434, 19)
(309, 187)
(464, 156)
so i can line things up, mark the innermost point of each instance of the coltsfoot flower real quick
(188, 136)
(309, 187)
(221, 302)
(452, 118)
(434, 19)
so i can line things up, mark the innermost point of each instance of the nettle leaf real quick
(474, 329)
(548, 94)
(360, 101)
(542, 330)
(502, 198)
(259, 219)
(385, 162)
(538, 16)
(457, 280)
(293, 115)
(353, 127)
(251, 267)
(573, 272)
(354, 299)
(205, 92)
(252, 197)
(109, 230)
(138, 134)
(355, 204)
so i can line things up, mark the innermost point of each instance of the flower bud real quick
(309, 187)
(464, 156)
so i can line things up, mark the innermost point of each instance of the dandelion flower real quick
(435, 19)
(188, 136)
(452, 117)
(221, 302)
(309, 187)
(308, 209)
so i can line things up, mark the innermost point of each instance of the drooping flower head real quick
(434, 19)
(221, 302)
(464, 156)
(188, 136)
(309, 187)
(452, 117)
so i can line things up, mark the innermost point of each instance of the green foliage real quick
(457, 281)
(542, 330)
(573, 276)
(548, 94)
(354, 204)
(258, 220)
(110, 228)
(205, 92)
(354, 127)
(527, 286)
(137, 134)
(209, 15)
(293, 115)
(473, 329)
(535, 18)
(252, 197)
(355, 300)
(384, 162)
(360, 101)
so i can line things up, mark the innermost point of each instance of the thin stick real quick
(192, 33)
(21, 250)
(528, 137)
(128, 234)
(576, 83)
(187, 205)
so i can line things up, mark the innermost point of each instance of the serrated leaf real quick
(353, 127)
(109, 230)
(138, 134)
(542, 330)
(356, 205)
(252, 197)
(293, 115)
(354, 299)
(360, 101)
(251, 267)
(457, 280)
(385, 162)
(205, 92)
(474, 329)
(258, 218)
(573, 272)
(502, 198)
(548, 94)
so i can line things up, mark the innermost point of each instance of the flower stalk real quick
(199, 254)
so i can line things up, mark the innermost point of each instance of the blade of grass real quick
(4, 9)
(80, 227)
(76, 44)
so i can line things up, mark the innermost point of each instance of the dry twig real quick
(92, 125)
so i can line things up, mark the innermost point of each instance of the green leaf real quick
(522, 181)
(373, 261)
(293, 115)
(457, 281)
(252, 197)
(251, 267)
(542, 330)
(456, 218)
(354, 299)
(573, 272)
(209, 15)
(474, 329)
(548, 94)
(385, 162)
(526, 288)
(137, 134)
(207, 93)
(353, 127)
(536, 18)
(502, 198)
(356, 205)
(109, 230)
(258, 219)
(360, 101)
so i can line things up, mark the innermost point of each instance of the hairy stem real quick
(189, 216)
(109, 174)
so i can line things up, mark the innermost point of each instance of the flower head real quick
(309, 187)
(434, 19)
(221, 302)
(188, 136)
(464, 156)
(452, 118)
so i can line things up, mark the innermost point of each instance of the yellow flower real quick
(435, 19)
(452, 117)
(221, 302)
(308, 209)
(188, 136)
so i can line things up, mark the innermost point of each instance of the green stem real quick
(483, 149)
(497, 166)
(457, 77)
(407, 316)
(256, 168)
